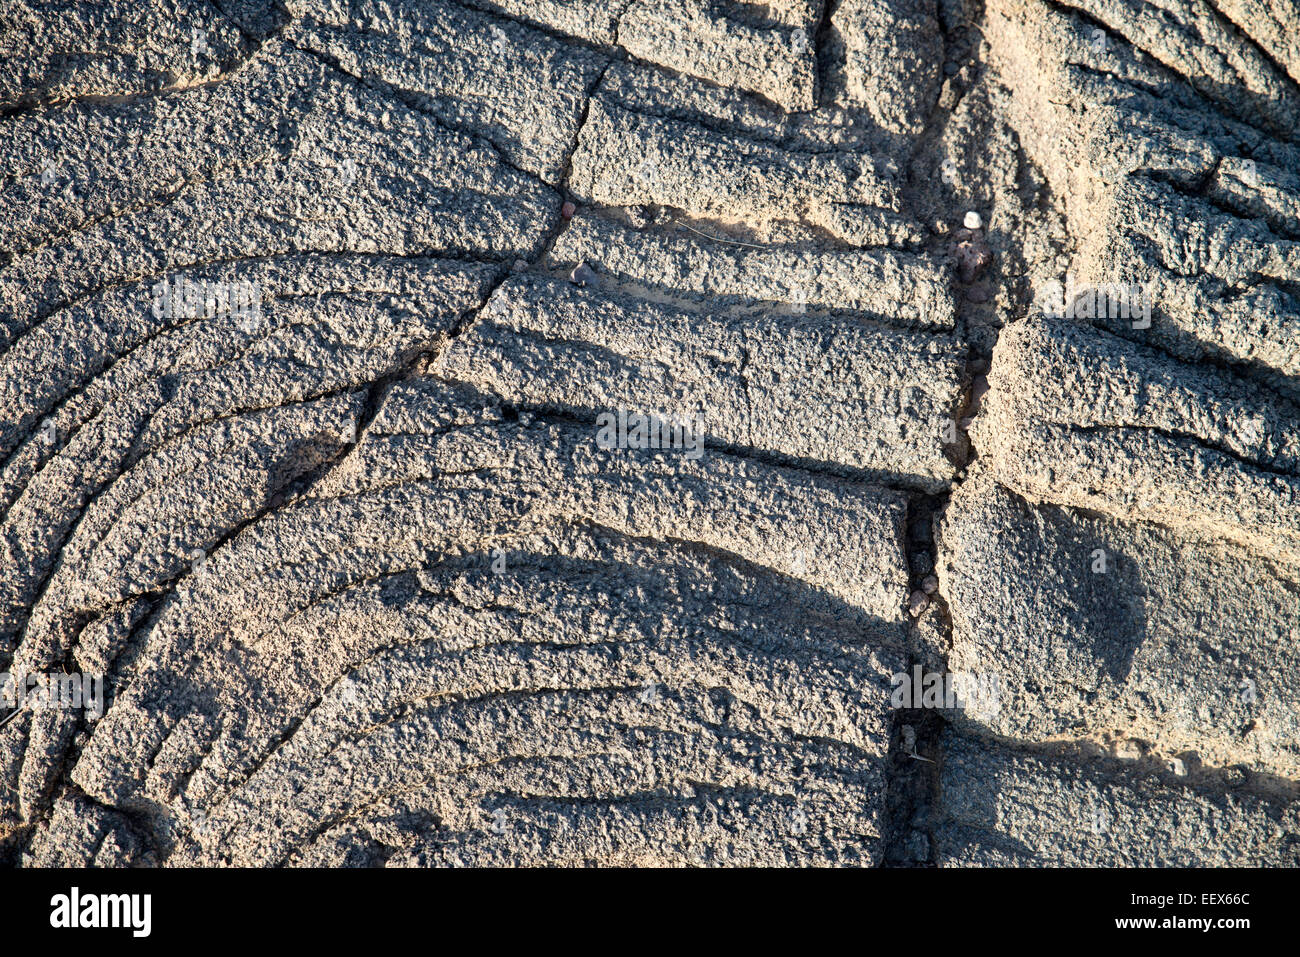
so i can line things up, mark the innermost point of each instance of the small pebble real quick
(972, 220)
(567, 210)
(973, 258)
(583, 275)
(520, 265)
(917, 603)
(1127, 751)
(930, 585)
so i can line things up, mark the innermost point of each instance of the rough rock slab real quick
(1088, 420)
(359, 648)
(1006, 809)
(1123, 631)
(805, 387)
(897, 288)
(292, 157)
(365, 586)
(775, 59)
(626, 158)
(1193, 192)
(520, 89)
(57, 51)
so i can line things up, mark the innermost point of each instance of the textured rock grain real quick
(365, 585)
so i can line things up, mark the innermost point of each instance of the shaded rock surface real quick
(487, 432)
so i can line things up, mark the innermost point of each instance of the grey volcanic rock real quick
(60, 51)
(1178, 640)
(507, 621)
(282, 172)
(144, 416)
(547, 432)
(772, 56)
(594, 20)
(528, 103)
(1005, 809)
(884, 285)
(626, 158)
(805, 387)
(891, 65)
(1088, 420)
(1193, 193)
